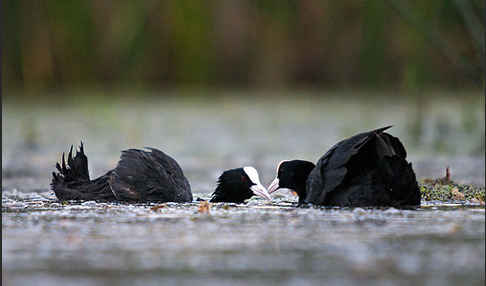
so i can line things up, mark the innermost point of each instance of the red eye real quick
(243, 179)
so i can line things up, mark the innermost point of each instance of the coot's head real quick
(292, 174)
(237, 185)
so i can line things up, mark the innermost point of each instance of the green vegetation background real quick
(332, 44)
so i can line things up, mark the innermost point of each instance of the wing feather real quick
(149, 176)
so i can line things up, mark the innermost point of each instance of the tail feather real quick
(72, 181)
(77, 167)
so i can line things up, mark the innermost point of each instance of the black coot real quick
(238, 185)
(368, 169)
(140, 176)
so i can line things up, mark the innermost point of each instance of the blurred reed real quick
(312, 43)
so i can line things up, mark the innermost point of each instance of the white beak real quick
(260, 190)
(273, 186)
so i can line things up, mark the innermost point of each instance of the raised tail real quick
(72, 181)
(77, 167)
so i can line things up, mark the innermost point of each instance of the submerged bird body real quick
(238, 185)
(139, 176)
(368, 169)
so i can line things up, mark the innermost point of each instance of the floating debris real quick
(204, 207)
(225, 207)
(477, 201)
(444, 189)
(456, 195)
(158, 207)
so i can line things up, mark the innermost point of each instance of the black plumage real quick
(140, 176)
(293, 175)
(238, 185)
(368, 169)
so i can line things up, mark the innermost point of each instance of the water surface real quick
(45, 242)
(93, 243)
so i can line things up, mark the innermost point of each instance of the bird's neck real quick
(301, 192)
(301, 185)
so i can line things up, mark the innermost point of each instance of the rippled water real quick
(49, 243)
(93, 243)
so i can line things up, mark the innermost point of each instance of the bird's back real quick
(363, 171)
(149, 176)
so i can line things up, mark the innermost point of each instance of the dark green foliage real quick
(407, 44)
